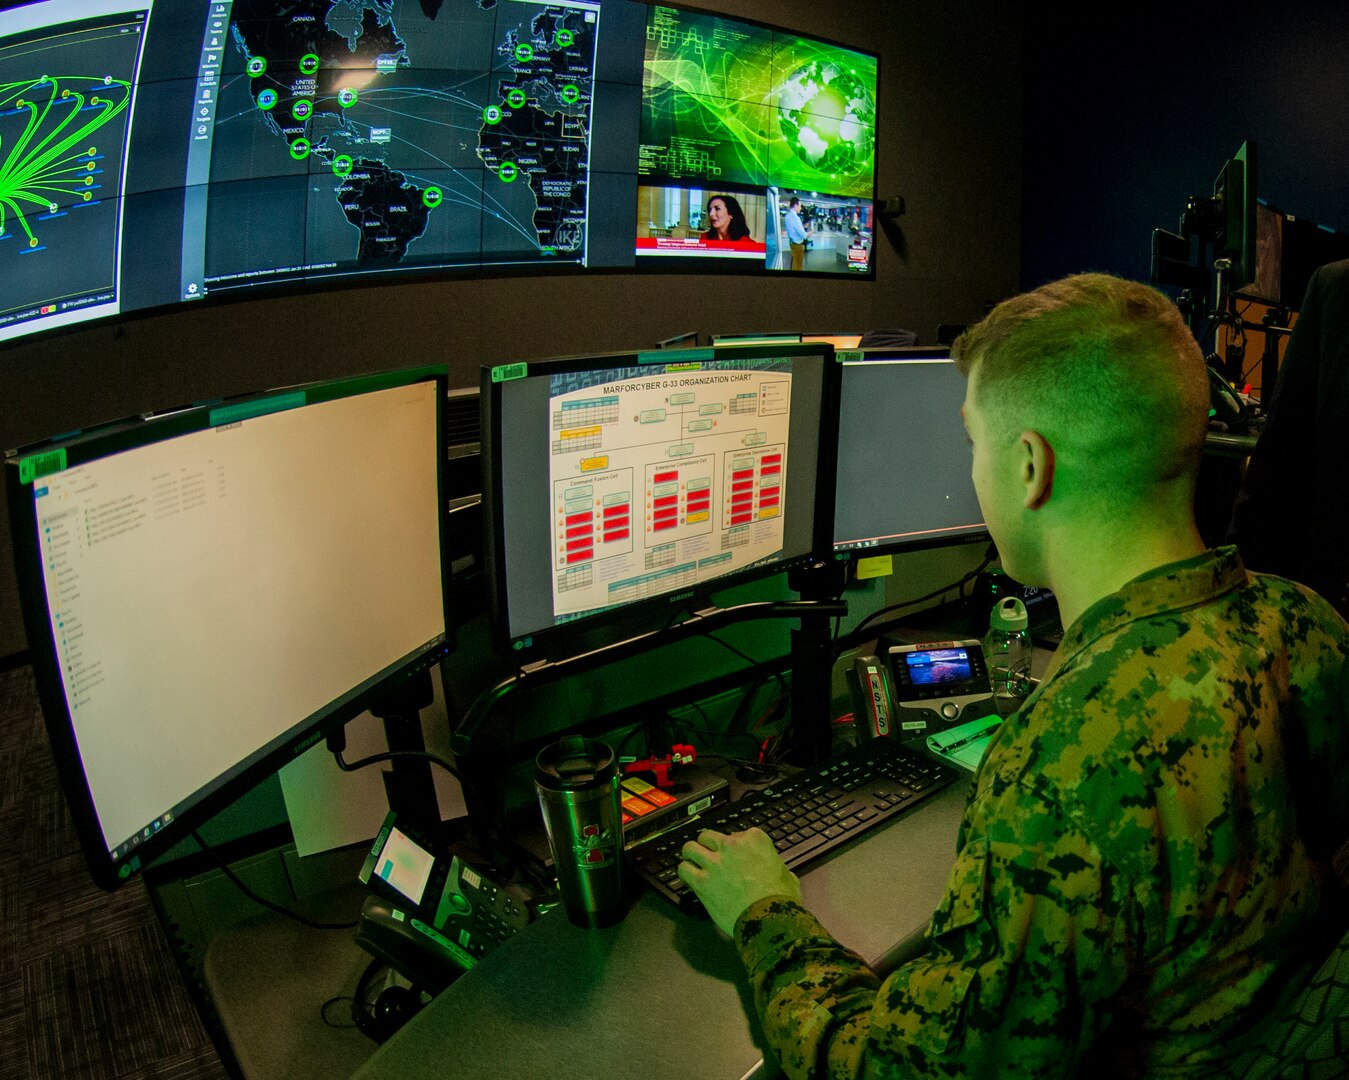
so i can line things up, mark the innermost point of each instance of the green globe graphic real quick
(828, 118)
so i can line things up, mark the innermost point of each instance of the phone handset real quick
(873, 711)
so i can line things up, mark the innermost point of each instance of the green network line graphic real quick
(781, 109)
(54, 160)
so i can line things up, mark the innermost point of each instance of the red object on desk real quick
(681, 754)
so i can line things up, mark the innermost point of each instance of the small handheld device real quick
(939, 684)
(872, 709)
(460, 912)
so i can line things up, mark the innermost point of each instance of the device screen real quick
(405, 865)
(938, 666)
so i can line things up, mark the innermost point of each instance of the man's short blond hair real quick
(1104, 368)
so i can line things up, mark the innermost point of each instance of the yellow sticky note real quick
(875, 566)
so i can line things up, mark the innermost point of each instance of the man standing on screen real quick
(796, 233)
(1145, 858)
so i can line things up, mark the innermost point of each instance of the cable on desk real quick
(711, 734)
(374, 759)
(747, 658)
(989, 556)
(268, 904)
(323, 1011)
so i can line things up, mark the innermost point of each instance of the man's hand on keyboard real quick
(729, 873)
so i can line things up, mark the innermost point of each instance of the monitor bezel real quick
(544, 642)
(909, 542)
(127, 434)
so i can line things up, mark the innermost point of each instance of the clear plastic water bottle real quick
(1007, 648)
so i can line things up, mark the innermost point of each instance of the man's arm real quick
(1027, 940)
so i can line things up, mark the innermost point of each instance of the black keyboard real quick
(808, 814)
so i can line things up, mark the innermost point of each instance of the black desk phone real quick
(433, 918)
(920, 689)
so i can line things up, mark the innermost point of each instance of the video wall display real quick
(751, 113)
(161, 151)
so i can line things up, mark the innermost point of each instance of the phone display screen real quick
(938, 666)
(405, 866)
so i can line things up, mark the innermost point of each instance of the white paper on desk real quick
(965, 745)
(329, 808)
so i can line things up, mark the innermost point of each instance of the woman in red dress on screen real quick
(727, 220)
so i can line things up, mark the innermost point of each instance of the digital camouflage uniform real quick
(1146, 844)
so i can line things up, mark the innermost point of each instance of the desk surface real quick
(662, 990)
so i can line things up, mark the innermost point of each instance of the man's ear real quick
(1037, 469)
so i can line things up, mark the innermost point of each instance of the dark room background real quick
(1025, 146)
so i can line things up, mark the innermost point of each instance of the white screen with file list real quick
(212, 593)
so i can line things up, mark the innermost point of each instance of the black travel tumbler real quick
(577, 781)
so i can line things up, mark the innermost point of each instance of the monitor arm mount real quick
(809, 643)
(1174, 264)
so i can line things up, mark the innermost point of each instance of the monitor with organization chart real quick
(629, 480)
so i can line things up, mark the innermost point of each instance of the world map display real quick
(160, 151)
(372, 135)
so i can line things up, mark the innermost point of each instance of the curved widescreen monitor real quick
(154, 152)
(208, 592)
(903, 456)
(624, 480)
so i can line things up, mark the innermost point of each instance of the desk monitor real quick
(755, 339)
(1290, 248)
(903, 459)
(840, 342)
(1234, 195)
(635, 479)
(208, 592)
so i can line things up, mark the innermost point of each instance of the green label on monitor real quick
(849, 356)
(44, 464)
(247, 410)
(689, 359)
(509, 372)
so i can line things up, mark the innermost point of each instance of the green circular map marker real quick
(571, 94)
(267, 100)
(347, 97)
(299, 149)
(309, 63)
(341, 165)
(508, 171)
(491, 114)
(256, 66)
(524, 53)
(565, 38)
(301, 109)
(516, 98)
(431, 196)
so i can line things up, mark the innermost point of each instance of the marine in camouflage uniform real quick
(1143, 863)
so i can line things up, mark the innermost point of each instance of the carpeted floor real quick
(88, 985)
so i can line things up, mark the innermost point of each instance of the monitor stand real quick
(812, 655)
(408, 784)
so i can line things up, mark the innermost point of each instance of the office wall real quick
(1130, 113)
(949, 143)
